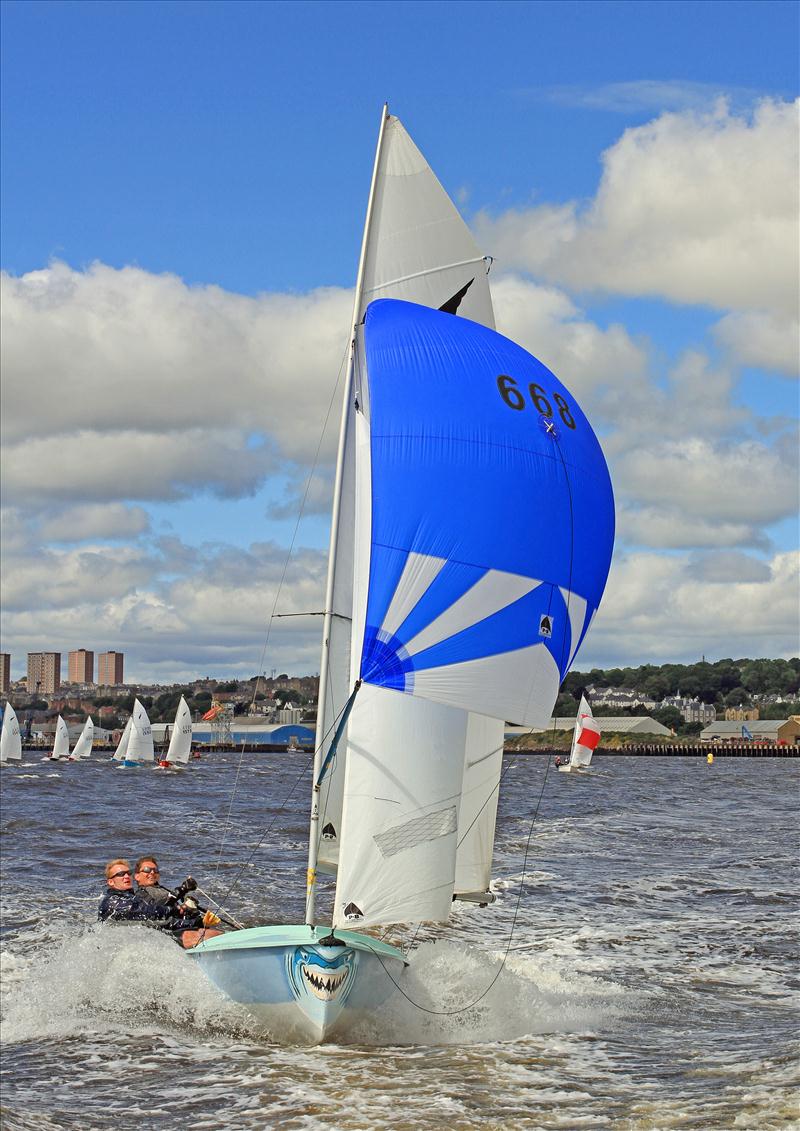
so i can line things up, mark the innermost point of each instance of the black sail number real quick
(512, 395)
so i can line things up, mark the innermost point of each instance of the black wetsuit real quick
(155, 894)
(135, 907)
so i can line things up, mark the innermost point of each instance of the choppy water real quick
(652, 979)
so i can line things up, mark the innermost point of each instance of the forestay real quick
(475, 468)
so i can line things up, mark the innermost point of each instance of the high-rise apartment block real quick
(109, 668)
(44, 672)
(5, 672)
(81, 666)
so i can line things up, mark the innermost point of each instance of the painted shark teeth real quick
(323, 984)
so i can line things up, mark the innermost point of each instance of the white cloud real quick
(745, 483)
(762, 338)
(98, 520)
(106, 351)
(661, 608)
(694, 207)
(669, 527)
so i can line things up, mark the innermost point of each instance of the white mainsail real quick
(83, 747)
(418, 248)
(180, 742)
(121, 752)
(10, 738)
(586, 737)
(140, 743)
(61, 740)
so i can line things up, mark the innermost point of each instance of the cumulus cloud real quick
(745, 483)
(98, 520)
(761, 338)
(695, 207)
(658, 607)
(107, 352)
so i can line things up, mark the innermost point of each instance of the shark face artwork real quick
(324, 974)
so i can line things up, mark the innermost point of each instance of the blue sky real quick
(228, 148)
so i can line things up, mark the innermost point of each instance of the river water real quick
(650, 939)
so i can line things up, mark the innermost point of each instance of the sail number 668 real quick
(512, 395)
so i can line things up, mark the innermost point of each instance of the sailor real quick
(122, 904)
(558, 760)
(149, 887)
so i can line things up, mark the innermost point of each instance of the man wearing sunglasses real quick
(148, 882)
(122, 903)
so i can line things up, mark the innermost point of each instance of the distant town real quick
(683, 699)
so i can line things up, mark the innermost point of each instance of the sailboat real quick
(136, 747)
(122, 745)
(10, 738)
(584, 740)
(83, 747)
(180, 742)
(60, 751)
(456, 599)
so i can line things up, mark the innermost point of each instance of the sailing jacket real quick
(135, 907)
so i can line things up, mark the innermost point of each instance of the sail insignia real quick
(453, 303)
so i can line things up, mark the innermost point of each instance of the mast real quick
(313, 839)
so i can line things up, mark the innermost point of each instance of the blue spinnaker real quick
(492, 520)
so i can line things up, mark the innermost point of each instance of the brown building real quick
(80, 666)
(110, 668)
(44, 672)
(5, 672)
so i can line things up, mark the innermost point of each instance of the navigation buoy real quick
(710, 758)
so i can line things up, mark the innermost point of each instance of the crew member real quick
(148, 877)
(122, 904)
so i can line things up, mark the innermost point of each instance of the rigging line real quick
(226, 826)
(309, 479)
(471, 1005)
(287, 798)
(494, 790)
(498, 972)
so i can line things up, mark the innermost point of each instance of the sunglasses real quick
(148, 871)
(116, 875)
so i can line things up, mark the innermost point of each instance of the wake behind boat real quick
(454, 601)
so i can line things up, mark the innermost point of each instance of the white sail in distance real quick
(140, 743)
(121, 752)
(10, 737)
(61, 740)
(585, 738)
(180, 741)
(83, 747)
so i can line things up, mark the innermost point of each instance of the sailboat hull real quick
(298, 988)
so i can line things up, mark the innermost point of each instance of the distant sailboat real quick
(122, 745)
(60, 751)
(136, 748)
(584, 741)
(180, 742)
(10, 738)
(83, 747)
(140, 751)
